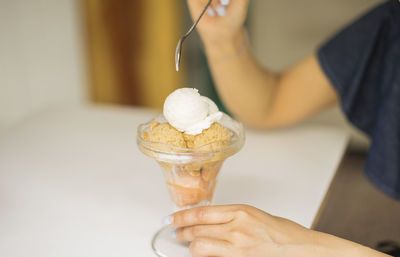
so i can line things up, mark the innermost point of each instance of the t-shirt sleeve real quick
(362, 62)
(352, 62)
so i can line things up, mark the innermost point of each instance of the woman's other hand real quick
(223, 21)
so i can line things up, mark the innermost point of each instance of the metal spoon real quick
(178, 51)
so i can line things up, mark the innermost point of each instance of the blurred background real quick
(71, 52)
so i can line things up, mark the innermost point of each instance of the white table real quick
(73, 183)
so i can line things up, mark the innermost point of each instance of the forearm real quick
(245, 87)
(325, 245)
(258, 97)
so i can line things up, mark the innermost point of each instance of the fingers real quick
(211, 12)
(188, 234)
(205, 246)
(221, 10)
(207, 215)
(218, 7)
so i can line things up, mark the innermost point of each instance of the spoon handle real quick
(178, 50)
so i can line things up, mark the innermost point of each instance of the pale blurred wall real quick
(284, 31)
(41, 60)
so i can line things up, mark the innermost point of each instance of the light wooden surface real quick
(73, 183)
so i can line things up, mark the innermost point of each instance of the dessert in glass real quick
(190, 142)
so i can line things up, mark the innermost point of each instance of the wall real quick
(283, 32)
(40, 57)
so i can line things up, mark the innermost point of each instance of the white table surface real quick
(73, 183)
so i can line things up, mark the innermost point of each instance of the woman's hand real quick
(223, 21)
(237, 230)
(241, 230)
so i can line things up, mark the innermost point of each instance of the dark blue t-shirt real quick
(363, 64)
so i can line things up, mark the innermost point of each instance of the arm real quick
(257, 96)
(241, 230)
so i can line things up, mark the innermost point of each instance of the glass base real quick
(165, 246)
(202, 203)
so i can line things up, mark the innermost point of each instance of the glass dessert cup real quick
(190, 174)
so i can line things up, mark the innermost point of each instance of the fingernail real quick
(168, 220)
(211, 12)
(221, 10)
(225, 2)
(173, 233)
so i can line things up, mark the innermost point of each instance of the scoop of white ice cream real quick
(188, 111)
